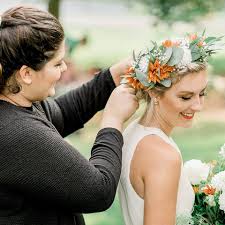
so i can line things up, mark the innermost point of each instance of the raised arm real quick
(79, 105)
(159, 169)
(71, 111)
(46, 169)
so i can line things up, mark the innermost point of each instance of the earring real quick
(156, 101)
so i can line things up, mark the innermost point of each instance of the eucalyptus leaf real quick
(166, 82)
(167, 54)
(195, 55)
(176, 57)
(142, 77)
(150, 85)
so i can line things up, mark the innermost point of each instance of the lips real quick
(187, 116)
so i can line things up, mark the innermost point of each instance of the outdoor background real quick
(112, 29)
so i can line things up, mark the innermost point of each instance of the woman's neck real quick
(152, 119)
(16, 99)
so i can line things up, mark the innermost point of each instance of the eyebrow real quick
(190, 92)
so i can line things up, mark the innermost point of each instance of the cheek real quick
(172, 106)
(53, 74)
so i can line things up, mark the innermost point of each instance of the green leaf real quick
(151, 58)
(209, 39)
(150, 48)
(195, 52)
(176, 57)
(194, 42)
(168, 53)
(142, 77)
(155, 45)
(134, 57)
(151, 85)
(195, 56)
(203, 33)
(166, 82)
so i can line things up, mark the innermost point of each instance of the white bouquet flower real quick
(196, 171)
(218, 181)
(209, 186)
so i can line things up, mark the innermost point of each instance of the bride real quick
(172, 78)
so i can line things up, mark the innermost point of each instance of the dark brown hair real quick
(29, 36)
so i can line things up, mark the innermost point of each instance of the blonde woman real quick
(172, 77)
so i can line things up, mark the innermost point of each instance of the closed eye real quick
(186, 98)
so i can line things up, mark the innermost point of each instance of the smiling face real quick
(44, 81)
(178, 105)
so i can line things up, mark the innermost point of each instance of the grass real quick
(200, 142)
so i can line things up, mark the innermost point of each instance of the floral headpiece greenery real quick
(156, 65)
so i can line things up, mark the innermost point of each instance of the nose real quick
(197, 104)
(63, 67)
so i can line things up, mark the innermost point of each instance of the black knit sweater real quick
(43, 179)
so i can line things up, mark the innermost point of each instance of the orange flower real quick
(158, 72)
(130, 70)
(169, 43)
(193, 36)
(209, 190)
(200, 44)
(136, 84)
(196, 189)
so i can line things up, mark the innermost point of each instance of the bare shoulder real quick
(155, 154)
(154, 163)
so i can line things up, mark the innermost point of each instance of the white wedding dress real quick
(131, 204)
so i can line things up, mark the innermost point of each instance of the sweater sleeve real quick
(47, 169)
(72, 110)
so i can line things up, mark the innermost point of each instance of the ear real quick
(25, 75)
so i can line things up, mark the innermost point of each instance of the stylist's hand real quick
(119, 69)
(120, 106)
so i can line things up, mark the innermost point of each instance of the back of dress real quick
(131, 204)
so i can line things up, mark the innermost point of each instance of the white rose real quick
(222, 201)
(218, 181)
(196, 171)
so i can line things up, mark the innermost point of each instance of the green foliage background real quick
(108, 44)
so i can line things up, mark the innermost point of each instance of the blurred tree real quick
(183, 10)
(54, 7)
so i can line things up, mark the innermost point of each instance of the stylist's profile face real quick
(44, 80)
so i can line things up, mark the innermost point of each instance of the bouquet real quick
(208, 181)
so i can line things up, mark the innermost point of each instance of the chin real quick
(186, 125)
(51, 92)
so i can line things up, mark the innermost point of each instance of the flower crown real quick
(157, 64)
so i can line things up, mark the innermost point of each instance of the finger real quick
(131, 90)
